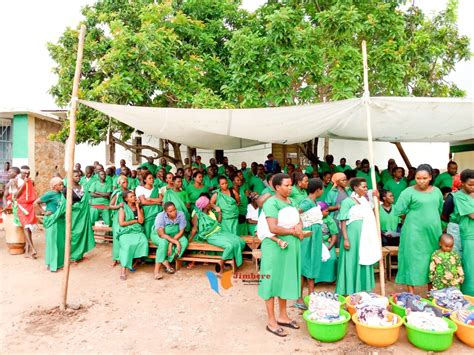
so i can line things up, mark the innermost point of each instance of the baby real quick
(445, 267)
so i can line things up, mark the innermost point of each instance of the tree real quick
(211, 53)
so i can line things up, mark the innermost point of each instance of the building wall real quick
(48, 154)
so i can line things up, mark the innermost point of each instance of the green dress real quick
(388, 220)
(280, 269)
(211, 232)
(211, 183)
(341, 169)
(351, 276)
(368, 178)
(395, 188)
(268, 190)
(167, 168)
(420, 234)
(132, 183)
(243, 229)
(150, 212)
(115, 224)
(152, 168)
(96, 213)
(328, 269)
(86, 182)
(162, 244)
(385, 176)
(194, 193)
(444, 180)
(311, 247)
(132, 241)
(55, 229)
(230, 212)
(463, 206)
(297, 194)
(326, 191)
(256, 184)
(82, 237)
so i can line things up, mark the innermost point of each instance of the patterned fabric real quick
(446, 270)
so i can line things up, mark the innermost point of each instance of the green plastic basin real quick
(340, 298)
(431, 341)
(401, 311)
(328, 332)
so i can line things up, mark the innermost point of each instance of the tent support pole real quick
(403, 154)
(70, 161)
(371, 156)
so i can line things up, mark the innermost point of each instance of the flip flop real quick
(278, 332)
(301, 306)
(170, 270)
(132, 269)
(158, 277)
(292, 325)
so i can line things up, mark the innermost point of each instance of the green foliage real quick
(213, 54)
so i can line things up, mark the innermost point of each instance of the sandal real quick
(301, 306)
(170, 270)
(158, 277)
(292, 325)
(278, 332)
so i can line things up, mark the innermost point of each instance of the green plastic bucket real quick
(328, 332)
(431, 341)
(399, 310)
(340, 298)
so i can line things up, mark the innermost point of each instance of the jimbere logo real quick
(228, 276)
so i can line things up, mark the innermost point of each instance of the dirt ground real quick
(177, 314)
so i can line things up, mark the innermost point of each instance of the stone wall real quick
(49, 155)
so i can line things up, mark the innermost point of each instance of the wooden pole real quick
(70, 159)
(371, 157)
(403, 154)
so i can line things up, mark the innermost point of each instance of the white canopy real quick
(394, 119)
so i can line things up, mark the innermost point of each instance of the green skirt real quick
(55, 243)
(230, 225)
(311, 252)
(468, 266)
(231, 243)
(97, 214)
(328, 269)
(132, 246)
(351, 276)
(162, 248)
(242, 229)
(280, 269)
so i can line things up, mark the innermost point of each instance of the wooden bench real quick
(102, 233)
(202, 256)
(253, 243)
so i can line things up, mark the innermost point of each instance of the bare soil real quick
(177, 314)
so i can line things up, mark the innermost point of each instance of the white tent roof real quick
(403, 119)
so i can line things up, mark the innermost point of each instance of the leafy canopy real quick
(214, 54)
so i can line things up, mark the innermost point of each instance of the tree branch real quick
(133, 148)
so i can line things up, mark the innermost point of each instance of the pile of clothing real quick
(450, 298)
(414, 303)
(466, 315)
(426, 321)
(324, 307)
(376, 316)
(362, 299)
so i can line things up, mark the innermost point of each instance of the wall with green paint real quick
(20, 136)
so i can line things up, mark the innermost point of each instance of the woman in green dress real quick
(151, 200)
(228, 201)
(421, 204)
(54, 225)
(463, 214)
(207, 228)
(298, 192)
(311, 247)
(195, 189)
(389, 221)
(179, 198)
(242, 190)
(187, 178)
(330, 230)
(132, 241)
(100, 191)
(352, 276)
(280, 270)
(116, 201)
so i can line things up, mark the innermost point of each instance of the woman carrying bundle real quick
(228, 201)
(132, 241)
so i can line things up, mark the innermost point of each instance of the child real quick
(328, 270)
(445, 267)
(389, 222)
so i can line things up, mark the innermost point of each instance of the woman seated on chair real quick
(207, 228)
(132, 241)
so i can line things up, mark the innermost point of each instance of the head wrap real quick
(323, 205)
(456, 183)
(55, 181)
(337, 176)
(202, 202)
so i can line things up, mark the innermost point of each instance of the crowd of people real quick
(301, 216)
